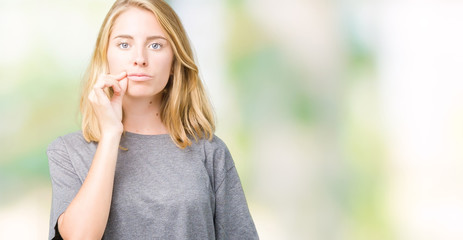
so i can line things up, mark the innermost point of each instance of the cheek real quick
(165, 63)
(114, 61)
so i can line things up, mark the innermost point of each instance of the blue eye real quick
(123, 45)
(155, 46)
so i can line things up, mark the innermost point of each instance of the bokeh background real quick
(344, 117)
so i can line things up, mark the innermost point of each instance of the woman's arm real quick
(87, 214)
(232, 217)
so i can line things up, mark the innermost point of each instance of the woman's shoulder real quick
(213, 144)
(74, 140)
(217, 153)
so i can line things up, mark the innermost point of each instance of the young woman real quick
(146, 164)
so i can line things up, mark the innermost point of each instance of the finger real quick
(123, 84)
(116, 93)
(92, 96)
(116, 88)
(119, 76)
(101, 96)
(104, 83)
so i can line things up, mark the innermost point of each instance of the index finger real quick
(119, 76)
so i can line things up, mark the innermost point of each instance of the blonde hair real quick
(185, 108)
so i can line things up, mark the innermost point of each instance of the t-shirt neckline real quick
(139, 135)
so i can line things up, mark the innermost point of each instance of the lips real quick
(139, 77)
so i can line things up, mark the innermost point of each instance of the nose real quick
(140, 59)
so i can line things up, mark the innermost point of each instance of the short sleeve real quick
(65, 182)
(232, 217)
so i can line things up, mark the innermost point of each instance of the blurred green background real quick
(344, 117)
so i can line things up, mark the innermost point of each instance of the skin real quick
(137, 44)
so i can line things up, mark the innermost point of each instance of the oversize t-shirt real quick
(160, 191)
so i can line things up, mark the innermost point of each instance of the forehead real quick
(137, 22)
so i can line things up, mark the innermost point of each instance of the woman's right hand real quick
(95, 194)
(109, 111)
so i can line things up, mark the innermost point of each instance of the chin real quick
(141, 93)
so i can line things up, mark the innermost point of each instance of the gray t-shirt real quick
(160, 191)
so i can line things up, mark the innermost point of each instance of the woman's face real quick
(138, 45)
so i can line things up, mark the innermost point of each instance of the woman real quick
(146, 164)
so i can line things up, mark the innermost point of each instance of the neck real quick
(143, 115)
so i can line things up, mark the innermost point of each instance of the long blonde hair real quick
(185, 108)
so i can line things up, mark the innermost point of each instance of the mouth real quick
(139, 77)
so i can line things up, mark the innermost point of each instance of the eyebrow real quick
(148, 38)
